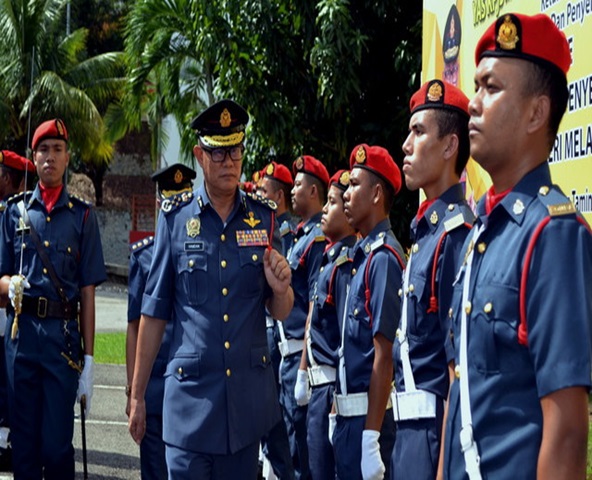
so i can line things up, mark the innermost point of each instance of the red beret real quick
(278, 172)
(340, 179)
(535, 38)
(312, 166)
(51, 129)
(16, 162)
(439, 94)
(377, 160)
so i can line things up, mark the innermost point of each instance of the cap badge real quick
(344, 179)
(178, 176)
(361, 155)
(508, 34)
(193, 226)
(518, 207)
(61, 128)
(251, 221)
(435, 92)
(434, 217)
(299, 163)
(256, 176)
(269, 169)
(1, 157)
(225, 118)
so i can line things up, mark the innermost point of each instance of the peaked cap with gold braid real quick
(221, 125)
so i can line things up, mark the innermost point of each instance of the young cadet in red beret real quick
(320, 357)
(51, 317)
(304, 256)
(365, 430)
(13, 168)
(522, 301)
(436, 152)
(275, 184)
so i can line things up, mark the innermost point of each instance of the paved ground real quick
(111, 453)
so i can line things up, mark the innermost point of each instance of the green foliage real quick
(110, 348)
(47, 73)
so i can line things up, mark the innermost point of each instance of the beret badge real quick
(269, 170)
(435, 92)
(361, 155)
(299, 163)
(344, 179)
(225, 119)
(507, 35)
(61, 127)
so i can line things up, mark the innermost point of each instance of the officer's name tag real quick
(194, 246)
(252, 238)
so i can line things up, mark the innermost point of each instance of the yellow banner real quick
(451, 31)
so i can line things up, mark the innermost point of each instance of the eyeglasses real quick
(218, 155)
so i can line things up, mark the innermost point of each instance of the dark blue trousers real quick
(152, 450)
(42, 391)
(294, 416)
(417, 447)
(347, 445)
(320, 450)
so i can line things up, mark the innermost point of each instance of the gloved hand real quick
(332, 425)
(86, 381)
(372, 466)
(16, 289)
(2, 321)
(301, 389)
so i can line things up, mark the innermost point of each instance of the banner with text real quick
(451, 30)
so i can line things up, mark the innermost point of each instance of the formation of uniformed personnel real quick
(522, 301)
(320, 357)
(13, 168)
(365, 431)
(275, 184)
(173, 182)
(216, 268)
(51, 317)
(436, 152)
(308, 196)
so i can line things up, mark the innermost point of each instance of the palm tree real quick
(45, 73)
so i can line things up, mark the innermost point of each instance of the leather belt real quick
(42, 307)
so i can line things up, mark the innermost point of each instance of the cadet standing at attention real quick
(12, 181)
(174, 184)
(308, 197)
(216, 267)
(365, 431)
(275, 185)
(522, 302)
(436, 152)
(52, 310)
(319, 357)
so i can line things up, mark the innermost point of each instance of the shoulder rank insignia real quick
(143, 243)
(265, 201)
(193, 227)
(17, 197)
(561, 209)
(453, 222)
(319, 238)
(251, 221)
(80, 200)
(171, 203)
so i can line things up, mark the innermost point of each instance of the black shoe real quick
(5, 460)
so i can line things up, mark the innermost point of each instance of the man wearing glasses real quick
(216, 267)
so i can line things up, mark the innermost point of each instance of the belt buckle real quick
(42, 307)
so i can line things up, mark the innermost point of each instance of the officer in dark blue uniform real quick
(14, 172)
(522, 301)
(216, 268)
(436, 152)
(52, 311)
(304, 256)
(320, 357)
(172, 181)
(275, 184)
(365, 430)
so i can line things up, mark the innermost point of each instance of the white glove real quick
(301, 389)
(332, 425)
(16, 288)
(372, 466)
(2, 321)
(86, 381)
